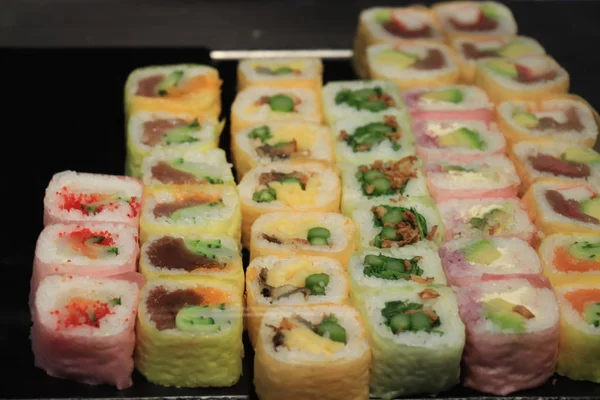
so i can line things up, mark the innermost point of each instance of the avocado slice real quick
(526, 120)
(196, 170)
(196, 319)
(514, 49)
(501, 313)
(592, 314)
(503, 67)
(481, 252)
(383, 16)
(588, 251)
(490, 11)
(462, 137)
(182, 134)
(191, 212)
(170, 81)
(591, 207)
(397, 58)
(580, 155)
(451, 95)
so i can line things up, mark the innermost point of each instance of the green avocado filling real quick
(194, 211)
(401, 316)
(588, 251)
(592, 314)
(169, 82)
(506, 315)
(201, 319)
(182, 134)
(390, 268)
(490, 222)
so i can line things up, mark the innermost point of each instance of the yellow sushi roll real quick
(199, 258)
(276, 281)
(184, 88)
(303, 234)
(317, 352)
(184, 327)
(528, 78)
(571, 258)
(281, 73)
(288, 187)
(190, 210)
(283, 142)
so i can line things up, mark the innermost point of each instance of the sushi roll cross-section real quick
(571, 258)
(280, 73)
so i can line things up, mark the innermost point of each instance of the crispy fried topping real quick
(420, 280)
(429, 294)
(523, 311)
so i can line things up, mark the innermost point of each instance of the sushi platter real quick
(418, 220)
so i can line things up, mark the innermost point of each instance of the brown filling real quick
(483, 23)
(573, 122)
(399, 30)
(268, 177)
(433, 60)
(280, 152)
(172, 253)
(568, 208)
(278, 292)
(559, 167)
(166, 174)
(147, 86)
(471, 52)
(163, 306)
(407, 230)
(397, 172)
(154, 131)
(167, 209)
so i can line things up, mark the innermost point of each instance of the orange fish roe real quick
(81, 311)
(89, 243)
(93, 203)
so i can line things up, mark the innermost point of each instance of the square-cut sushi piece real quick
(413, 64)
(259, 105)
(304, 234)
(493, 176)
(191, 210)
(193, 257)
(280, 73)
(287, 187)
(368, 139)
(184, 88)
(471, 260)
(562, 160)
(312, 352)
(392, 223)
(392, 25)
(512, 334)
(470, 50)
(381, 180)
(475, 19)
(452, 102)
(464, 140)
(566, 118)
(185, 326)
(84, 329)
(186, 167)
(281, 142)
(292, 281)
(579, 331)
(357, 99)
(83, 197)
(571, 258)
(558, 207)
(528, 78)
(157, 130)
(415, 334)
(482, 218)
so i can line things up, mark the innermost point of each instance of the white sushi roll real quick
(475, 19)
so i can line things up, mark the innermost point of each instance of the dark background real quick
(64, 64)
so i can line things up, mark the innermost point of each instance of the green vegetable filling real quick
(398, 224)
(401, 316)
(365, 137)
(370, 99)
(262, 132)
(317, 284)
(318, 236)
(389, 268)
(331, 329)
(264, 195)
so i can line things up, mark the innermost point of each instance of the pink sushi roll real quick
(83, 197)
(512, 329)
(460, 139)
(453, 102)
(494, 176)
(489, 217)
(83, 329)
(471, 260)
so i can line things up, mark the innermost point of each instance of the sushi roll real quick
(83, 329)
(374, 271)
(392, 25)
(579, 331)
(303, 234)
(475, 19)
(317, 352)
(571, 258)
(453, 102)
(82, 197)
(528, 78)
(368, 139)
(415, 335)
(187, 167)
(566, 118)
(189, 334)
(413, 65)
(471, 260)
(381, 180)
(191, 210)
(280, 73)
(199, 258)
(358, 99)
(281, 142)
(464, 140)
(561, 160)
(151, 131)
(392, 223)
(276, 281)
(482, 218)
(259, 105)
(512, 334)
(557, 206)
(183, 88)
(493, 176)
(287, 187)
(470, 50)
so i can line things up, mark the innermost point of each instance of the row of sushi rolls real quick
(435, 222)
